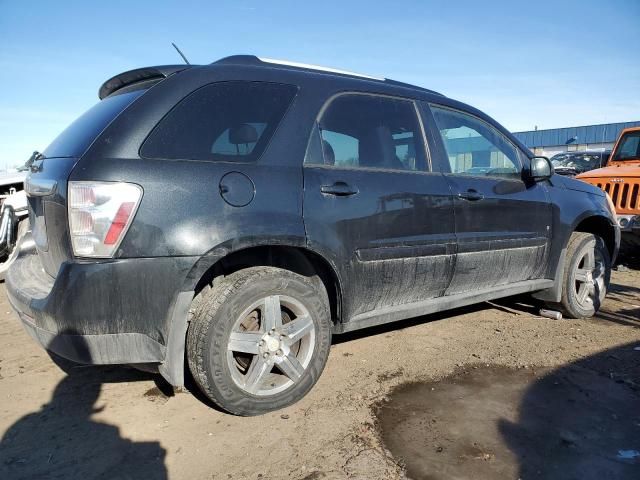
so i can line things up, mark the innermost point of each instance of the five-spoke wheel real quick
(259, 339)
(586, 275)
(271, 345)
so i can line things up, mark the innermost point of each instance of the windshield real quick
(628, 147)
(580, 162)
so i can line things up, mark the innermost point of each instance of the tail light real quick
(99, 216)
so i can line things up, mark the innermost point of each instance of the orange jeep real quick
(620, 178)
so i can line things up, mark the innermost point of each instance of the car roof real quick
(323, 78)
(252, 60)
(138, 75)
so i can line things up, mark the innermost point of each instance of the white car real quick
(14, 214)
(14, 223)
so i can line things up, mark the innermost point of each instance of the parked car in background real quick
(12, 181)
(14, 218)
(14, 223)
(238, 214)
(620, 178)
(574, 163)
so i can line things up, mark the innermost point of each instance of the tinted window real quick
(629, 147)
(77, 137)
(371, 132)
(225, 121)
(474, 147)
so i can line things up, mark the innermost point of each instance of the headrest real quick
(242, 134)
(329, 154)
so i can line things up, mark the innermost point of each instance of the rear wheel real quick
(259, 339)
(586, 275)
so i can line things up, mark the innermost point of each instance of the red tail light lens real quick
(100, 214)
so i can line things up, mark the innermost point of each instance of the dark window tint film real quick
(226, 121)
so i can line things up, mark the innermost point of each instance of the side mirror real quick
(541, 169)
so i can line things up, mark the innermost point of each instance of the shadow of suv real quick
(238, 214)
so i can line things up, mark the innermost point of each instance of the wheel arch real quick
(590, 223)
(224, 261)
(601, 226)
(294, 258)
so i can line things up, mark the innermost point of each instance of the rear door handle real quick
(339, 189)
(471, 195)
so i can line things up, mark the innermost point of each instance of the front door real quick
(502, 221)
(372, 204)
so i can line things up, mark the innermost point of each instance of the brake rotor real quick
(251, 323)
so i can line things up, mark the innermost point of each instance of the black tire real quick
(214, 319)
(579, 245)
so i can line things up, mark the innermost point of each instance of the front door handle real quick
(339, 189)
(471, 195)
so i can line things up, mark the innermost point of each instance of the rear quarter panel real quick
(182, 212)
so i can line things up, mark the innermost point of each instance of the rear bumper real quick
(115, 312)
(112, 348)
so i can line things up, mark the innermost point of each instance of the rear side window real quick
(77, 137)
(225, 121)
(371, 131)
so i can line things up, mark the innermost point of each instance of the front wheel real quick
(586, 275)
(259, 339)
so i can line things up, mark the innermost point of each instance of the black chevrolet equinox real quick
(229, 218)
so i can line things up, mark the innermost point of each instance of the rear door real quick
(502, 222)
(372, 203)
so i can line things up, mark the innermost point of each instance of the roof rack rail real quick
(262, 61)
(409, 85)
(253, 60)
(317, 67)
(238, 60)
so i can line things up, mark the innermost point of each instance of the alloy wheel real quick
(271, 345)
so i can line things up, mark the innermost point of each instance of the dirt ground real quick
(490, 391)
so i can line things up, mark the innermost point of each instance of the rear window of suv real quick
(224, 121)
(78, 136)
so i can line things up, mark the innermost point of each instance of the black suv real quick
(231, 217)
(575, 163)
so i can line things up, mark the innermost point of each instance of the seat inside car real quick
(243, 134)
(329, 154)
(377, 149)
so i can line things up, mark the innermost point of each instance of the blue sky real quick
(545, 63)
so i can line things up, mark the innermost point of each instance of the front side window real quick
(368, 131)
(629, 148)
(225, 121)
(474, 147)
